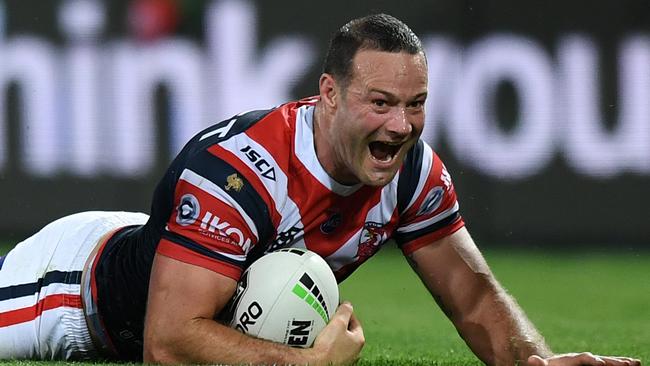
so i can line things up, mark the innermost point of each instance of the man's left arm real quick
(485, 315)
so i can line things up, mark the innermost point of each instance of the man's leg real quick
(41, 315)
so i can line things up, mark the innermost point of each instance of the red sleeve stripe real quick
(236, 259)
(176, 251)
(427, 239)
(215, 191)
(30, 313)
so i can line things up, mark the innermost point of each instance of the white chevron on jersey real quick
(277, 189)
(381, 213)
(306, 152)
(219, 131)
(387, 204)
(222, 131)
(345, 254)
(215, 191)
(427, 165)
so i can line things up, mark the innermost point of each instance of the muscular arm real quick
(486, 317)
(179, 325)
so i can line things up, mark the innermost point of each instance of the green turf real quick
(598, 302)
(4, 248)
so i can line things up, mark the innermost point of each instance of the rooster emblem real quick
(372, 235)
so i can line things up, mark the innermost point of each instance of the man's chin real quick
(379, 179)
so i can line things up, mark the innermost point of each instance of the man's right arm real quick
(179, 327)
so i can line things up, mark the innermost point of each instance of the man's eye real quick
(417, 104)
(379, 102)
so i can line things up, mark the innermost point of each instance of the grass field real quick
(598, 302)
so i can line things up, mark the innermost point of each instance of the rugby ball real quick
(287, 296)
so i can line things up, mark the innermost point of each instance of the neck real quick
(324, 146)
(321, 140)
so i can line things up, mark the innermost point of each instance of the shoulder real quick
(422, 167)
(427, 201)
(266, 127)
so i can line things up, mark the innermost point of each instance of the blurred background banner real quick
(540, 110)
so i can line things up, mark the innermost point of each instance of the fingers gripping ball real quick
(287, 296)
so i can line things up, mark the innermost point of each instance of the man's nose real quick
(398, 124)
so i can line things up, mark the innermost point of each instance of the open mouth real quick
(384, 151)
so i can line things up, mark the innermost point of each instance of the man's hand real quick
(586, 358)
(340, 342)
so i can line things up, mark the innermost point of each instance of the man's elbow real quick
(159, 355)
(158, 351)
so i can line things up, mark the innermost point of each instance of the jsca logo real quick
(188, 210)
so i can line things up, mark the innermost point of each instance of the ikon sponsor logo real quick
(215, 226)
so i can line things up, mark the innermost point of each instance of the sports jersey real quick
(253, 184)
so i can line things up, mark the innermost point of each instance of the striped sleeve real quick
(427, 200)
(219, 216)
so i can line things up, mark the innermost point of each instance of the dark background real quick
(554, 206)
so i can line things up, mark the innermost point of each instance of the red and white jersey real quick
(253, 184)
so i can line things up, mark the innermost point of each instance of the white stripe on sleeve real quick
(215, 191)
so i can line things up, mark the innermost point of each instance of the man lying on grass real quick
(338, 174)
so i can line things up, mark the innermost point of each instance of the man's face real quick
(378, 117)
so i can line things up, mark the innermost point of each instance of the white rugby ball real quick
(287, 296)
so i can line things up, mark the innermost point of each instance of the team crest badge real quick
(372, 236)
(234, 182)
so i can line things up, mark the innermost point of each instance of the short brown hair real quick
(380, 32)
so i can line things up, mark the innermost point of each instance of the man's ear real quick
(329, 90)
